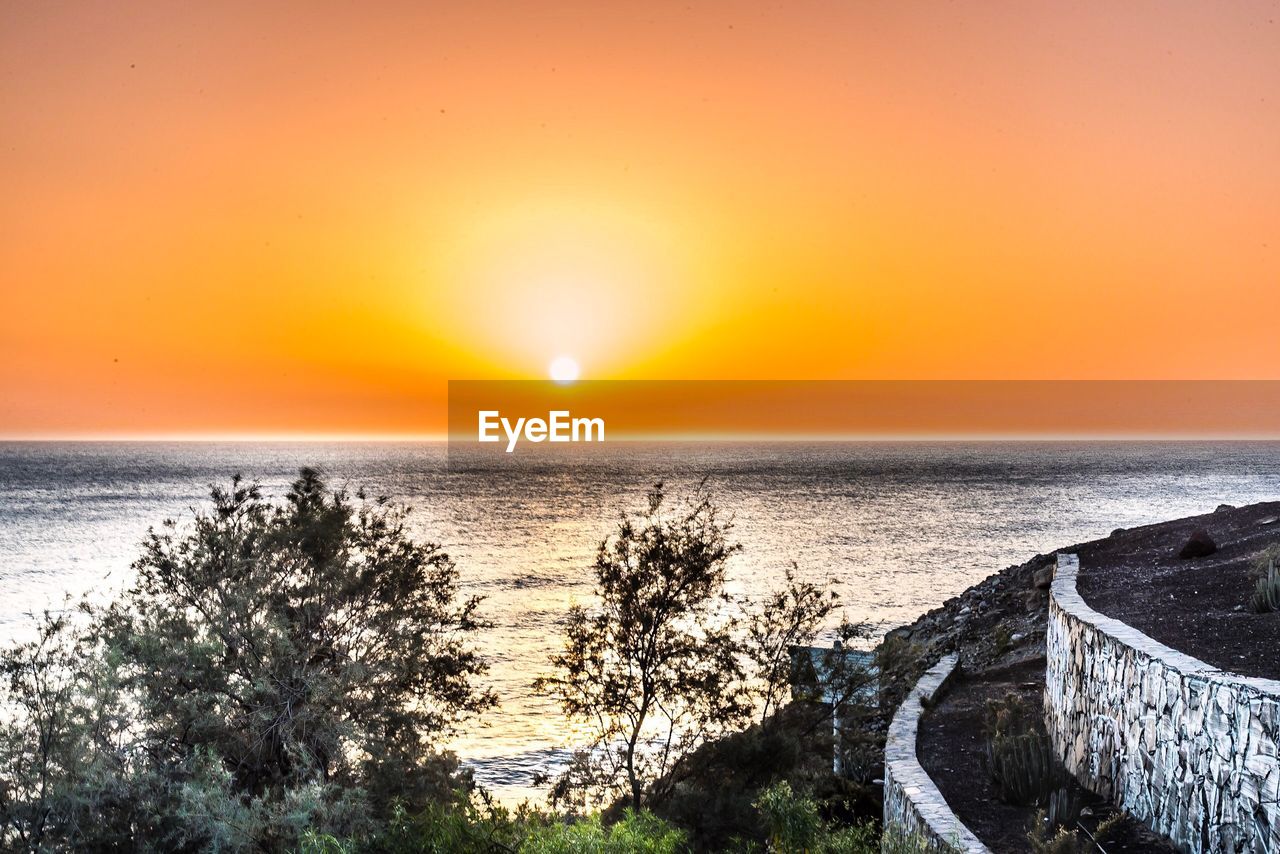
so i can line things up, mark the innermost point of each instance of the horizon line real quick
(797, 437)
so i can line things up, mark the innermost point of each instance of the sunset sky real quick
(306, 218)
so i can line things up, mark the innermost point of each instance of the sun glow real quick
(563, 369)
(604, 276)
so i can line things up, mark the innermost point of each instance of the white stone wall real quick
(1188, 749)
(914, 809)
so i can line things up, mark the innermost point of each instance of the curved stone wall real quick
(1186, 748)
(914, 809)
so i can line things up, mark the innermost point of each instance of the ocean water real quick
(899, 526)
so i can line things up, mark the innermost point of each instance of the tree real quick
(654, 668)
(272, 667)
(789, 617)
(61, 727)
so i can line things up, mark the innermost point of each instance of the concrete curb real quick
(913, 806)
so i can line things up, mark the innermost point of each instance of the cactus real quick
(1266, 596)
(1064, 807)
(1022, 767)
(1018, 757)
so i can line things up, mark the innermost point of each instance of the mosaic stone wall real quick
(1188, 749)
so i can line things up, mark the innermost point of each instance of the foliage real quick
(786, 618)
(280, 676)
(793, 822)
(665, 666)
(272, 668)
(898, 842)
(900, 664)
(795, 826)
(1266, 559)
(471, 825)
(636, 833)
(61, 738)
(654, 669)
(1266, 595)
(715, 799)
(854, 693)
(838, 683)
(463, 824)
(1045, 837)
(1002, 639)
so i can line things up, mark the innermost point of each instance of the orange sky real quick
(307, 218)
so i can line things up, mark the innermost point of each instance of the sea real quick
(898, 527)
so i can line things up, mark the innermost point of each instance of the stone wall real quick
(1186, 748)
(914, 809)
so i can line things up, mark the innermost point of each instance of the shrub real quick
(463, 824)
(636, 833)
(1045, 837)
(272, 668)
(792, 821)
(900, 664)
(1266, 559)
(899, 842)
(1002, 639)
(795, 826)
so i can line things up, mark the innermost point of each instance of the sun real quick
(563, 369)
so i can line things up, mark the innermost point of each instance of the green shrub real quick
(272, 668)
(795, 826)
(900, 664)
(463, 825)
(899, 842)
(324, 843)
(792, 820)
(636, 833)
(471, 826)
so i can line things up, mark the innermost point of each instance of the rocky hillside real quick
(1000, 619)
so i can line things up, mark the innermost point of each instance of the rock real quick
(1199, 545)
(1223, 508)
(1270, 520)
(1117, 532)
(1032, 601)
(1017, 638)
(1043, 578)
